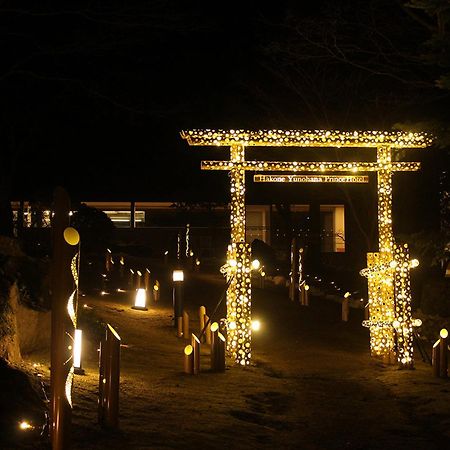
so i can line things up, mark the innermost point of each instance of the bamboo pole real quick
(435, 358)
(196, 346)
(179, 321)
(189, 359)
(185, 325)
(156, 291)
(208, 330)
(443, 353)
(345, 309)
(64, 284)
(109, 380)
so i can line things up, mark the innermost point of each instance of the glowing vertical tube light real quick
(77, 347)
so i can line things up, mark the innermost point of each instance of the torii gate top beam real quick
(307, 138)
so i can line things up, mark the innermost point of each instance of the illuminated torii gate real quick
(390, 320)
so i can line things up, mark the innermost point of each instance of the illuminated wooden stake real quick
(156, 291)
(138, 279)
(185, 325)
(201, 317)
(196, 346)
(345, 307)
(443, 353)
(435, 358)
(217, 349)
(189, 359)
(179, 321)
(147, 280)
(109, 379)
(304, 294)
(207, 330)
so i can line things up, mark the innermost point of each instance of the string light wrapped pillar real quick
(403, 323)
(239, 291)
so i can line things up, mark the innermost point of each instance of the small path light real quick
(189, 359)
(217, 349)
(256, 325)
(178, 279)
(345, 307)
(109, 379)
(140, 300)
(195, 343)
(443, 353)
(156, 291)
(24, 425)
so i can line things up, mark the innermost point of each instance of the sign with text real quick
(311, 178)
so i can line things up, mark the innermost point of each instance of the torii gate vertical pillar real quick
(239, 291)
(381, 286)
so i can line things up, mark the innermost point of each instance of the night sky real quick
(94, 94)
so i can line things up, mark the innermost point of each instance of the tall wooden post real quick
(64, 297)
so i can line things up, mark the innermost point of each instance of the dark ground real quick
(311, 385)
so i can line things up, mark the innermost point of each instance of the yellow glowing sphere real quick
(232, 262)
(417, 323)
(155, 287)
(232, 325)
(396, 324)
(188, 350)
(443, 333)
(256, 264)
(256, 325)
(306, 287)
(71, 236)
(214, 327)
(414, 263)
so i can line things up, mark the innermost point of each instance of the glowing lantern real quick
(178, 275)
(256, 325)
(256, 264)
(140, 300)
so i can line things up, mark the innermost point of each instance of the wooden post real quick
(131, 279)
(138, 280)
(179, 321)
(109, 379)
(304, 295)
(435, 358)
(108, 260)
(345, 309)
(196, 346)
(201, 317)
(218, 344)
(366, 311)
(147, 280)
(64, 284)
(208, 330)
(189, 359)
(185, 325)
(156, 291)
(443, 353)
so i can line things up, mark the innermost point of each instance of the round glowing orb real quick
(417, 323)
(306, 287)
(214, 327)
(71, 236)
(232, 263)
(443, 333)
(396, 324)
(256, 264)
(256, 325)
(414, 263)
(155, 287)
(188, 350)
(232, 325)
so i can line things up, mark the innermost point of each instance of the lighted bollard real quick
(345, 307)
(177, 292)
(443, 353)
(138, 280)
(201, 317)
(196, 351)
(179, 326)
(185, 325)
(147, 280)
(166, 258)
(109, 379)
(189, 359)
(131, 279)
(366, 311)
(156, 291)
(207, 330)
(304, 295)
(121, 267)
(108, 260)
(435, 358)
(217, 349)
